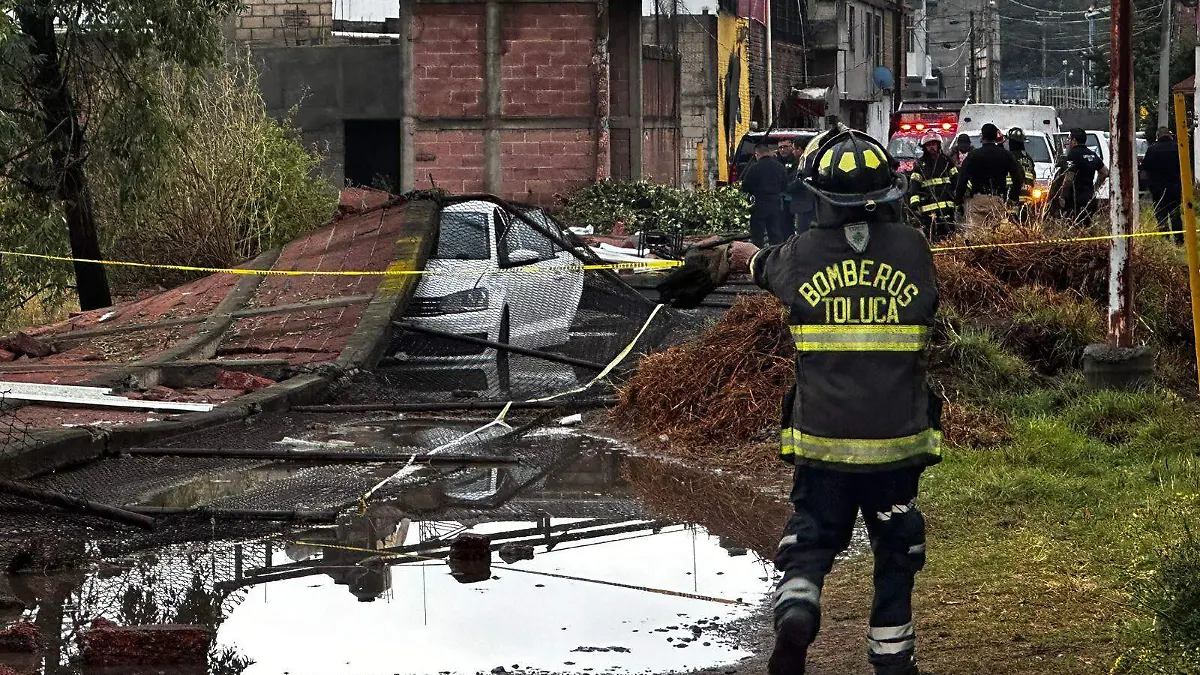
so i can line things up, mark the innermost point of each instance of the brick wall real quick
(547, 60)
(546, 77)
(448, 60)
(452, 160)
(537, 165)
(276, 22)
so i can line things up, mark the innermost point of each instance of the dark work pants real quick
(768, 222)
(826, 505)
(1168, 211)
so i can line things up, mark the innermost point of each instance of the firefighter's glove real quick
(703, 271)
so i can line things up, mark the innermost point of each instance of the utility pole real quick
(972, 76)
(1091, 17)
(1123, 186)
(1164, 64)
(770, 69)
(989, 42)
(1043, 24)
(899, 62)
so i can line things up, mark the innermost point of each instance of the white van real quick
(1031, 118)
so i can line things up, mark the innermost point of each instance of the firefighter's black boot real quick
(794, 631)
(896, 664)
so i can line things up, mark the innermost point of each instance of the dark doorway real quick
(372, 153)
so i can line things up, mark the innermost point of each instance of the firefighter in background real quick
(1082, 171)
(989, 180)
(1016, 145)
(931, 186)
(860, 424)
(962, 148)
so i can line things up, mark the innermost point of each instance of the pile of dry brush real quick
(1036, 306)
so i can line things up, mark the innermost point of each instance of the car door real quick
(568, 278)
(534, 298)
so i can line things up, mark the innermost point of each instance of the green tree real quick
(53, 53)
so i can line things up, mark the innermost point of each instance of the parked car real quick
(474, 289)
(745, 149)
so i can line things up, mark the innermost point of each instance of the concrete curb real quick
(56, 449)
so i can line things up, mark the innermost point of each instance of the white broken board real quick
(89, 396)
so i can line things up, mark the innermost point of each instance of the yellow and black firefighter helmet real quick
(851, 169)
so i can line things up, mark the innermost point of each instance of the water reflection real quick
(587, 578)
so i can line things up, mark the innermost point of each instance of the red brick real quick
(21, 637)
(106, 644)
(246, 382)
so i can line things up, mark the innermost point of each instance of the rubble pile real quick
(1011, 316)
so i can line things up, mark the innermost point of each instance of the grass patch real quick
(1069, 543)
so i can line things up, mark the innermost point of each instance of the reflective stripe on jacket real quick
(931, 185)
(861, 322)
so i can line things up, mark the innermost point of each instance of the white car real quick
(492, 276)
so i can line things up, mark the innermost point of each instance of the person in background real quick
(1016, 145)
(766, 180)
(962, 148)
(993, 177)
(800, 205)
(931, 189)
(1083, 171)
(1161, 165)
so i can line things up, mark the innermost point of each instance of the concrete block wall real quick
(284, 23)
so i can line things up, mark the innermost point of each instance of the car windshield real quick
(904, 147)
(1035, 146)
(463, 235)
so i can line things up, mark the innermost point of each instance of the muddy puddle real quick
(593, 562)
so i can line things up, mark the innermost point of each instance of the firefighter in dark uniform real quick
(1016, 145)
(931, 186)
(993, 178)
(1080, 168)
(860, 424)
(766, 180)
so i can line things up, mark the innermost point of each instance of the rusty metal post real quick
(602, 73)
(1123, 188)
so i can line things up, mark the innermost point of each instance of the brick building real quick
(287, 23)
(523, 99)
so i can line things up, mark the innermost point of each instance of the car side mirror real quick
(522, 256)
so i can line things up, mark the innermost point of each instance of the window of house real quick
(850, 24)
(787, 23)
(869, 29)
(878, 37)
(910, 32)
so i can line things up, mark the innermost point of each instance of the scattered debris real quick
(108, 644)
(470, 558)
(619, 650)
(89, 396)
(21, 637)
(6, 356)
(246, 382)
(571, 420)
(22, 343)
(511, 553)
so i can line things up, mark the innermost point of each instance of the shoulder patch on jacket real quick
(858, 235)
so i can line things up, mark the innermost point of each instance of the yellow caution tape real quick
(648, 264)
(1042, 242)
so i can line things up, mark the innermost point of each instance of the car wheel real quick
(502, 355)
